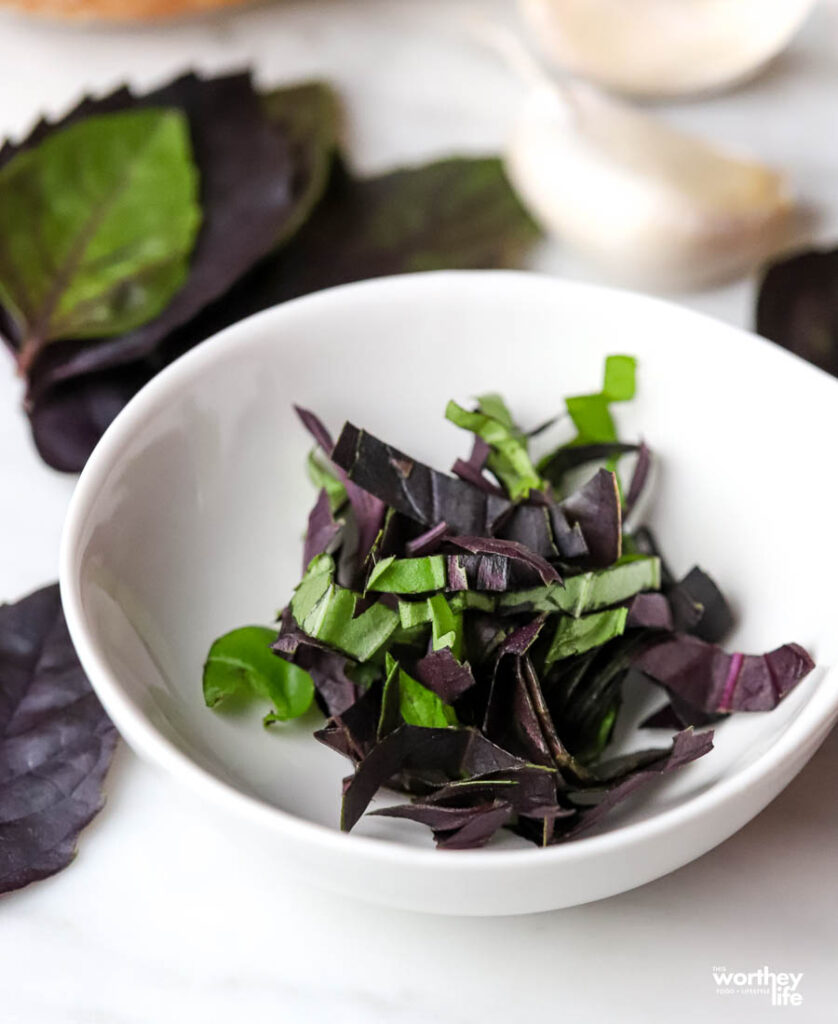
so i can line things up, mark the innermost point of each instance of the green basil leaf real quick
(575, 636)
(241, 665)
(509, 459)
(96, 226)
(326, 611)
(408, 575)
(589, 591)
(619, 383)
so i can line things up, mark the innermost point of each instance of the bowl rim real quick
(812, 719)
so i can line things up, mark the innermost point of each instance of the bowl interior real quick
(190, 516)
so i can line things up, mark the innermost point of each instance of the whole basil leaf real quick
(241, 665)
(96, 227)
(246, 197)
(56, 742)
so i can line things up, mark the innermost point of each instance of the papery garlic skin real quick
(653, 206)
(659, 48)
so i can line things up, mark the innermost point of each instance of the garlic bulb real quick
(656, 207)
(664, 47)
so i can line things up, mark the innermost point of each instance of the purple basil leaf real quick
(477, 831)
(531, 526)
(699, 607)
(435, 816)
(686, 747)
(471, 469)
(444, 675)
(510, 550)
(520, 641)
(428, 542)
(56, 742)
(512, 719)
(530, 789)
(417, 491)
(68, 419)
(322, 530)
(368, 510)
(639, 479)
(353, 733)
(595, 508)
(649, 611)
(798, 306)
(447, 753)
(709, 679)
(676, 714)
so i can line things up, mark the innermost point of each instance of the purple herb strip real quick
(709, 679)
(427, 543)
(639, 478)
(471, 469)
(508, 549)
(687, 746)
(322, 529)
(369, 510)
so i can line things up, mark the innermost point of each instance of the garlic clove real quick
(654, 206)
(664, 47)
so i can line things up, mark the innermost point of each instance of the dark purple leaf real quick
(447, 753)
(512, 718)
(68, 419)
(428, 542)
(479, 572)
(595, 508)
(423, 494)
(471, 469)
(322, 529)
(477, 830)
(509, 550)
(530, 789)
(56, 742)
(455, 828)
(686, 747)
(530, 526)
(798, 306)
(709, 679)
(354, 732)
(441, 672)
(699, 607)
(639, 479)
(649, 611)
(368, 510)
(520, 641)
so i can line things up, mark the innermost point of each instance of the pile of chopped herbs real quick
(469, 635)
(136, 226)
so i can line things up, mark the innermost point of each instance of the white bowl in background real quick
(187, 521)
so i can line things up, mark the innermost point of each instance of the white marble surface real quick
(162, 918)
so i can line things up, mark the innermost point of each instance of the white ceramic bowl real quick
(187, 522)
